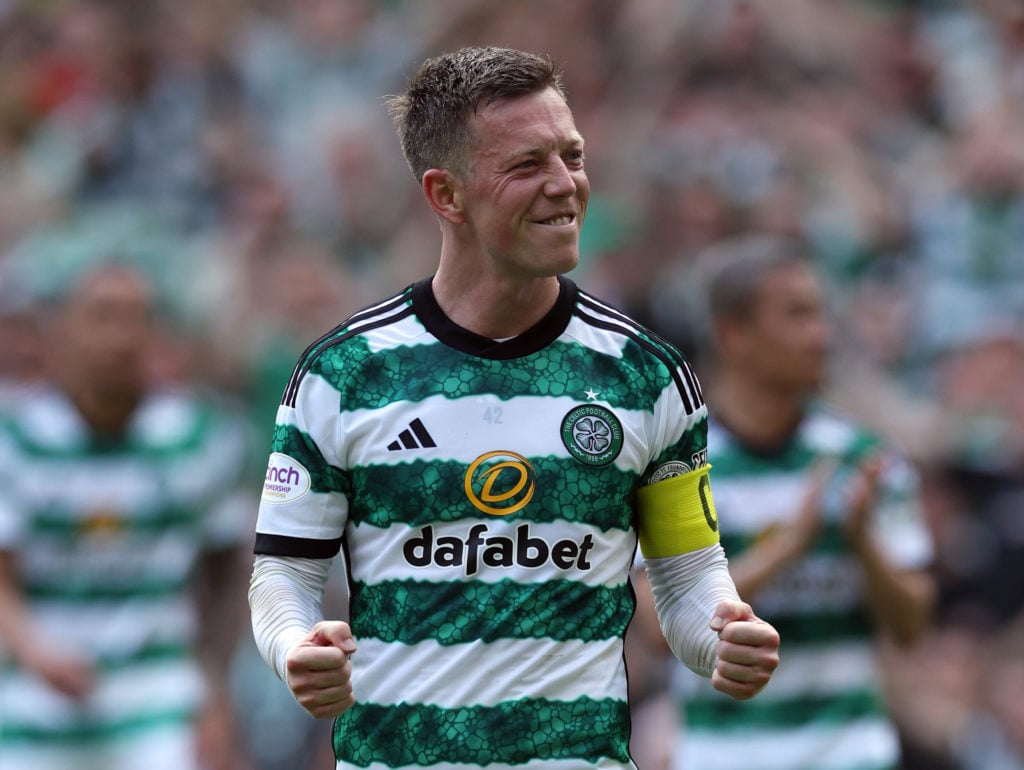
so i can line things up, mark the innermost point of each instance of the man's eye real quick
(576, 157)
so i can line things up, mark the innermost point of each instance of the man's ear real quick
(734, 336)
(441, 188)
(729, 335)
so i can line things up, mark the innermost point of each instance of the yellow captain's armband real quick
(677, 515)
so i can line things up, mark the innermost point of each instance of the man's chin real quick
(570, 261)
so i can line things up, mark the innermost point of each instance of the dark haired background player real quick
(122, 513)
(821, 520)
(486, 447)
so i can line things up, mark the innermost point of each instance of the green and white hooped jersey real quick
(482, 492)
(823, 708)
(106, 535)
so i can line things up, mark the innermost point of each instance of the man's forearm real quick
(687, 589)
(15, 628)
(219, 583)
(285, 601)
(901, 600)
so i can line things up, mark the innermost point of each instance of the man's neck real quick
(107, 417)
(497, 309)
(760, 416)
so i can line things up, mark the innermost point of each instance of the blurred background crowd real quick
(240, 151)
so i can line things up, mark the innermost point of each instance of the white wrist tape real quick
(687, 588)
(285, 601)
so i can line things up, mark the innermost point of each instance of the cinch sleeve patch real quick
(287, 479)
(677, 515)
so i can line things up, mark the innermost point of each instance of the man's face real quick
(525, 193)
(784, 342)
(104, 332)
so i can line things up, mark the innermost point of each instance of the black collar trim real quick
(536, 338)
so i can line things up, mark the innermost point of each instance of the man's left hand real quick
(748, 650)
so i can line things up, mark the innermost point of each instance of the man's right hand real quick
(318, 670)
(63, 669)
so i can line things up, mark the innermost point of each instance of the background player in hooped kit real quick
(486, 446)
(821, 519)
(123, 510)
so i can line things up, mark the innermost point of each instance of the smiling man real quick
(487, 447)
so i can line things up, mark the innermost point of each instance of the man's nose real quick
(560, 182)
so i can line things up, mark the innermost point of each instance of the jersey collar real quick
(537, 337)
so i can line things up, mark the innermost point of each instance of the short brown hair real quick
(432, 116)
(734, 271)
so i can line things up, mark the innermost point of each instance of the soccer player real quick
(122, 511)
(820, 521)
(485, 448)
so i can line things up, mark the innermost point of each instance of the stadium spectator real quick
(486, 446)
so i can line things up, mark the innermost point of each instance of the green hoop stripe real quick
(91, 734)
(512, 733)
(770, 713)
(461, 612)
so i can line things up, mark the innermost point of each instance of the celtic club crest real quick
(592, 434)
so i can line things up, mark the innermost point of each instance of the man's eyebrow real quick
(574, 141)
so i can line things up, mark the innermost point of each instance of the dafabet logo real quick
(498, 484)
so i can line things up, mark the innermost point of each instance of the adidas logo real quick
(413, 437)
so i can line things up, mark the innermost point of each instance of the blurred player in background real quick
(821, 525)
(486, 446)
(121, 519)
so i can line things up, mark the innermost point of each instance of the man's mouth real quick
(562, 219)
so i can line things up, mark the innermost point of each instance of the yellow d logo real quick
(500, 483)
